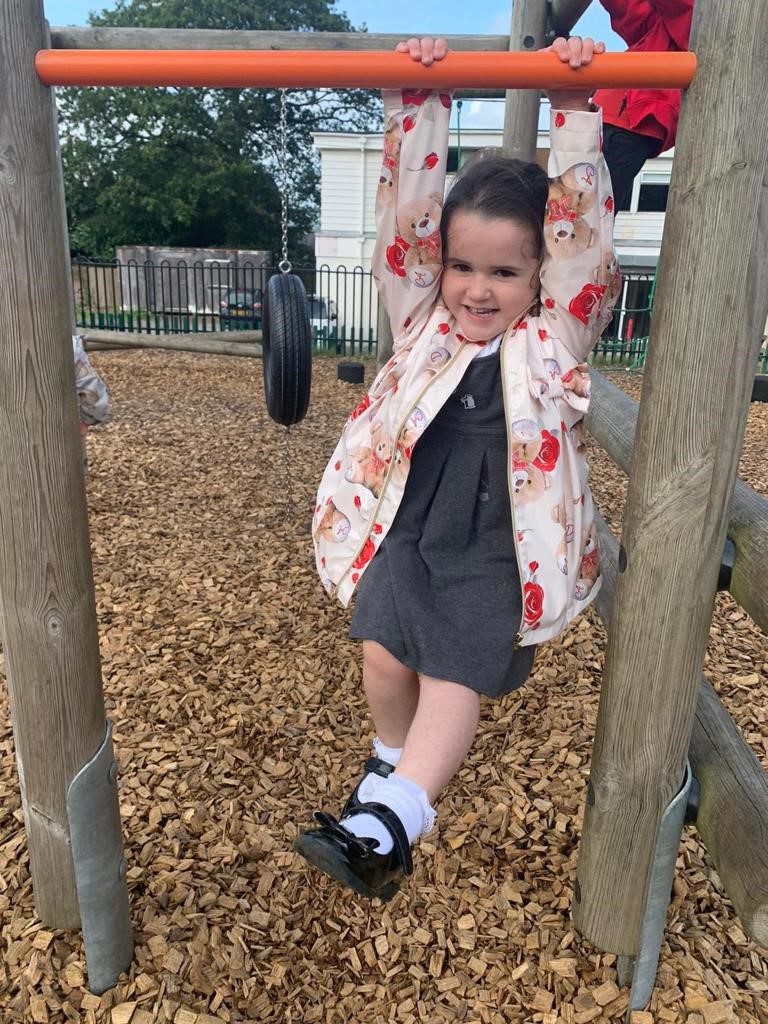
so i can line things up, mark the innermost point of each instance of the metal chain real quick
(284, 265)
(288, 480)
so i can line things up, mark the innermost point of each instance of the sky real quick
(446, 17)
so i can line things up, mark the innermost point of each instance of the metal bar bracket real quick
(641, 969)
(100, 868)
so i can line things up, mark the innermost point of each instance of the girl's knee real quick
(379, 663)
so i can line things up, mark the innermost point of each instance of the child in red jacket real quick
(641, 123)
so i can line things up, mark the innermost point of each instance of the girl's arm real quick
(579, 271)
(407, 259)
(92, 395)
(676, 16)
(631, 19)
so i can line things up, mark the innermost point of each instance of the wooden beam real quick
(221, 39)
(107, 38)
(565, 13)
(683, 469)
(733, 806)
(612, 420)
(219, 343)
(46, 583)
(521, 109)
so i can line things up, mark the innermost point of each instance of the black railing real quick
(181, 298)
(213, 296)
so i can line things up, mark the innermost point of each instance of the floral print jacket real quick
(545, 378)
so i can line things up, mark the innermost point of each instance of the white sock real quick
(389, 754)
(408, 801)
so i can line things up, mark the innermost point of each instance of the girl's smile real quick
(490, 273)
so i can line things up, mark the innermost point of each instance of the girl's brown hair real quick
(494, 184)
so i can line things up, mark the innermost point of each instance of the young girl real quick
(92, 395)
(456, 500)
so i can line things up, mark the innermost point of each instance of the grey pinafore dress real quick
(443, 593)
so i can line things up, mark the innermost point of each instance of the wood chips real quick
(235, 696)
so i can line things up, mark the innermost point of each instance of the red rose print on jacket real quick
(534, 604)
(415, 97)
(359, 409)
(559, 120)
(365, 555)
(396, 255)
(549, 452)
(533, 598)
(586, 305)
(430, 160)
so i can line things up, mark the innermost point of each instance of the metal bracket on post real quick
(640, 970)
(97, 850)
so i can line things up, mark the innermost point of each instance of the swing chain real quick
(288, 480)
(284, 265)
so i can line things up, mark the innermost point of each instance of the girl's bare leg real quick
(392, 690)
(441, 734)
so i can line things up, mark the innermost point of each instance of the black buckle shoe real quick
(373, 765)
(353, 861)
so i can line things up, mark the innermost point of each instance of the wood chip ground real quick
(235, 696)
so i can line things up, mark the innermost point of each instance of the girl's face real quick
(491, 273)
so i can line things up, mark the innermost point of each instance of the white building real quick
(350, 165)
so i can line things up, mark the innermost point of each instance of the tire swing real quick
(286, 330)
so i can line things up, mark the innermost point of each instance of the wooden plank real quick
(683, 468)
(108, 38)
(733, 808)
(218, 343)
(612, 421)
(46, 585)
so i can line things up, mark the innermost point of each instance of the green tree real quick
(200, 167)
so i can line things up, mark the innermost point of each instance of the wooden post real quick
(521, 109)
(710, 306)
(384, 339)
(46, 586)
(733, 801)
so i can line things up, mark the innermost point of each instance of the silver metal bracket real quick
(641, 969)
(100, 869)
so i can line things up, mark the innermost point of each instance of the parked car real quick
(322, 318)
(241, 308)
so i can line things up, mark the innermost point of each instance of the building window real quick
(453, 158)
(654, 190)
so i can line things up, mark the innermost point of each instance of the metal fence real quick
(212, 296)
(182, 298)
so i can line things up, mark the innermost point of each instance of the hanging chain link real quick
(284, 264)
(285, 267)
(288, 479)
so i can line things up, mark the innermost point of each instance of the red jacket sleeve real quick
(630, 19)
(666, 23)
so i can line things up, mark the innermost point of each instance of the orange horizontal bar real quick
(372, 69)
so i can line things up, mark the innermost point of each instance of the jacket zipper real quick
(419, 397)
(519, 635)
